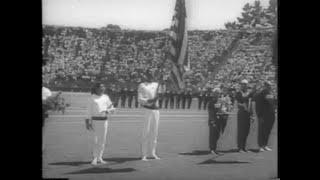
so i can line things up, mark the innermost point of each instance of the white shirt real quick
(98, 105)
(46, 93)
(147, 91)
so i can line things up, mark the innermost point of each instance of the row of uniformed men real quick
(167, 99)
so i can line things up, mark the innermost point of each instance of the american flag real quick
(178, 44)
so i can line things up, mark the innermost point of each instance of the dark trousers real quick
(123, 101)
(189, 102)
(160, 103)
(183, 103)
(200, 103)
(265, 124)
(130, 101)
(166, 103)
(243, 128)
(136, 101)
(172, 103)
(178, 103)
(215, 131)
(116, 101)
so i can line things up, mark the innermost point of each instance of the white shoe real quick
(155, 156)
(261, 150)
(102, 161)
(94, 162)
(267, 148)
(213, 152)
(144, 158)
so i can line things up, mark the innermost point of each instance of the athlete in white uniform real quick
(99, 105)
(148, 98)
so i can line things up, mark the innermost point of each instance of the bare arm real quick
(88, 119)
(141, 99)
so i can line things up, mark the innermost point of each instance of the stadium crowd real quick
(78, 56)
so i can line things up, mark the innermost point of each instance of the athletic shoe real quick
(155, 156)
(261, 150)
(144, 158)
(94, 162)
(215, 152)
(267, 148)
(102, 161)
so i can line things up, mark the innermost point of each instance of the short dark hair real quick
(95, 88)
(148, 75)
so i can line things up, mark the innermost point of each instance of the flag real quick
(178, 44)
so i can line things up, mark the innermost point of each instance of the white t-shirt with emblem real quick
(147, 91)
(98, 105)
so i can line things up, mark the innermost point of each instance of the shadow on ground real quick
(74, 163)
(122, 159)
(229, 151)
(196, 153)
(99, 170)
(79, 163)
(254, 150)
(213, 161)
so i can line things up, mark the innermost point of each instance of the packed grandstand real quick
(78, 56)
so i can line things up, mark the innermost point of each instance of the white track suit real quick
(97, 107)
(147, 91)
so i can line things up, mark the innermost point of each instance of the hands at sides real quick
(111, 110)
(89, 126)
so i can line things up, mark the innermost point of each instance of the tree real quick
(112, 27)
(255, 15)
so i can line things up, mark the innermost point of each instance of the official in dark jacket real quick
(184, 98)
(218, 115)
(130, 93)
(123, 97)
(200, 95)
(206, 98)
(189, 98)
(243, 98)
(166, 97)
(136, 102)
(264, 109)
(161, 98)
(178, 99)
(172, 96)
(117, 93)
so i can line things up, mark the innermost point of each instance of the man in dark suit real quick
(264, 110)
(200, 95)
(189, 98)
(130, 93)
(135, 94)
(172, 95)
(206, 99)
(166, 96)
(117, 92)
(218, 116)
(183, 98)
(161, 97)
(178, 99)
(123, 97)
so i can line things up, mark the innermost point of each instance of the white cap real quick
(244, 81)
(216, 90)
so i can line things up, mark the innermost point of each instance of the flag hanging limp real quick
(178, 44)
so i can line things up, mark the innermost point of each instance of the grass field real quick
(182, 145)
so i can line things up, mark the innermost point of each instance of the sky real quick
(141, 14)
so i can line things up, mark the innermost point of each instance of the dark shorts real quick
(151, 107)
(98, 118)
